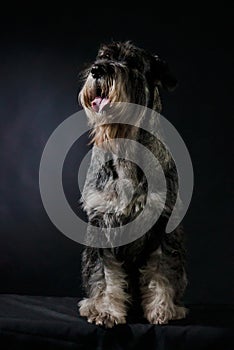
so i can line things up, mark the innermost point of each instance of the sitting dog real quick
(148, 274)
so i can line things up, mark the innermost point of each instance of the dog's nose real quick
(97, 71)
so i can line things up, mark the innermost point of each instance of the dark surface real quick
(35, 322)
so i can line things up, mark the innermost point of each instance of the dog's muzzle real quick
(98, 71)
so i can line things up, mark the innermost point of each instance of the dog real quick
(146, 276)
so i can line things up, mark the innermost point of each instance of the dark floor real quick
(34, 322)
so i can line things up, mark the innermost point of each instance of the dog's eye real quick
(105, 56)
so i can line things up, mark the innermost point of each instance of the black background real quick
(42, 52)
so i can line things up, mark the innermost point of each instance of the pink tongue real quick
(99, 103)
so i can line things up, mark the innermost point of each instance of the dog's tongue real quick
(99, 103)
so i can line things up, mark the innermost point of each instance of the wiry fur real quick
(150, 269)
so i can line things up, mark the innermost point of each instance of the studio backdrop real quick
(41, 57)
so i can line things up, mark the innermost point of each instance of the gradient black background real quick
(42, 52)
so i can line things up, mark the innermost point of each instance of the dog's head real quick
(123, 72)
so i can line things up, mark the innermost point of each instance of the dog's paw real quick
(161, 315)
(96, 313)
(108, 319)
(180, 312)
(87, 309)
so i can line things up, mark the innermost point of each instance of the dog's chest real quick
(117, 169)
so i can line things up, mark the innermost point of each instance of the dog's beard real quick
(106, 100)
(98, 95)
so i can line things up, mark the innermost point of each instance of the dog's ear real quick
(162, 74)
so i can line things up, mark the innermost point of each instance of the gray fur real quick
(151, 268)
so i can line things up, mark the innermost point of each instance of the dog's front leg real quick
(160, 281)
(105, 283)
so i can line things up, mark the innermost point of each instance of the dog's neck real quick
(108, 132)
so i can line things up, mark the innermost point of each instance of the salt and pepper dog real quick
(147, 274)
